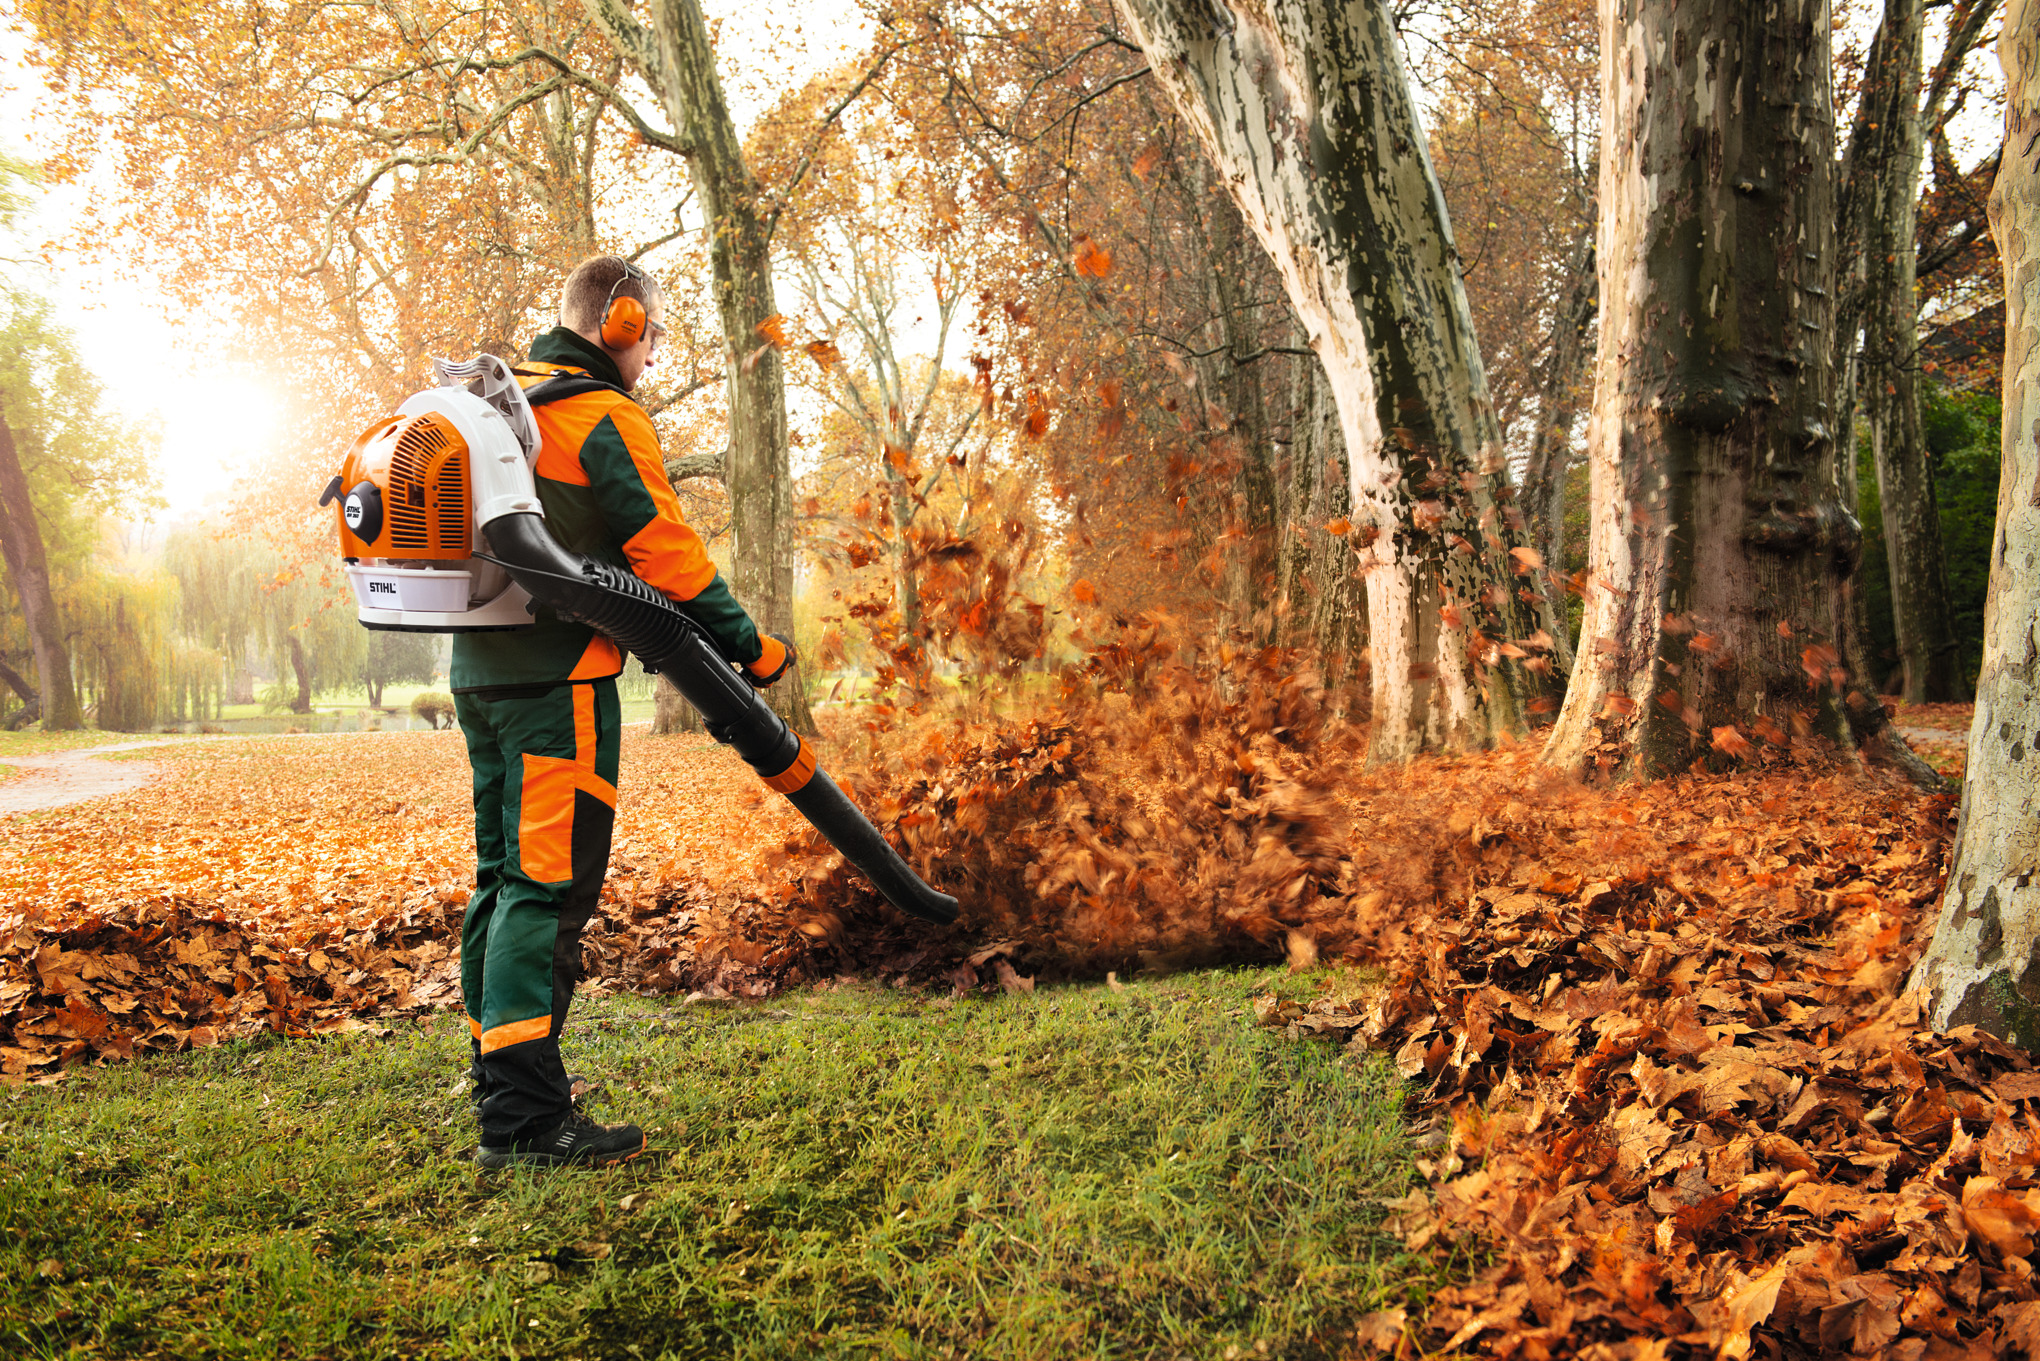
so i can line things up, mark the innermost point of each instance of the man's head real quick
(590, 291)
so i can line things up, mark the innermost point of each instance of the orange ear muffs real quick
(623, 323)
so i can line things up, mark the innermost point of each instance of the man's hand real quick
(772, 662)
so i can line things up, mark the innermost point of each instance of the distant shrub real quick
(433, 707)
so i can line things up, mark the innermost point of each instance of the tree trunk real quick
(303, 703)
(1307, 113)
(671, 713)
(1323, 604)
(18, 683)
(1979, 970)
(1888, 190)
(31, 700)
(1716, 611)
(676, 59)
(22, 545)
(1559, 399)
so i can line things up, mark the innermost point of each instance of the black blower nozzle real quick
(639, 618)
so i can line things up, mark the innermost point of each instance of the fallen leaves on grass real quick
(299, 884)
(1670, 1081)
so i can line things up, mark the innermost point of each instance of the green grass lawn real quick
(1081, 1172)
(44, 743)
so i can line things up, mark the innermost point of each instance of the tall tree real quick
(1515, 143)
(21, 542)
(871, 257)
(675, 57)
(237, 589)
(1308, 115)
(1720, 547)
(64, 461)
(1879, 230)
(1979, 970)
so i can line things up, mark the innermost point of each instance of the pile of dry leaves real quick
(323, 887)
(1671, 1083)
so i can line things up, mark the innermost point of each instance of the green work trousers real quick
(544, 763)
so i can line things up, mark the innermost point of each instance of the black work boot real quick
(576, 1141)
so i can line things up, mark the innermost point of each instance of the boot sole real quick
(497, 1161)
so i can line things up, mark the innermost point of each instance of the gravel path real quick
(65, 777)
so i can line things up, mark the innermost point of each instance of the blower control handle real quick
(638, 617)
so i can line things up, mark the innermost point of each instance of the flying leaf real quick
(1092, 260)
(1730, 742)
(773, 330)
(824, 353)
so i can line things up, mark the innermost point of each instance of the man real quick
(539, 710)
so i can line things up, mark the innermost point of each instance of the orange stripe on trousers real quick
(516, 1032)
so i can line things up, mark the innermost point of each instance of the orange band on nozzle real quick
(796, 775)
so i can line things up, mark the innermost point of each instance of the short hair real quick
(587, 291)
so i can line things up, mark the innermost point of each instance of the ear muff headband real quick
(623, 319)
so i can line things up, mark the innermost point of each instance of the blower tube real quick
(639, 618)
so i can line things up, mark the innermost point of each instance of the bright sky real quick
(150, 363)
(158, 365)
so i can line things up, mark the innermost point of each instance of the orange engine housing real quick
(418, 466)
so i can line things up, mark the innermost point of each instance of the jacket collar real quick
(562, 346)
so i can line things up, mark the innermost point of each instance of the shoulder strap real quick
(565, 385)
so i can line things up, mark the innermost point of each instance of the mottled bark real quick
(1306, 111)
(1562, 391)
(677, 61)
(1247, 519)
(1979, 970)
(21, 544)
(1888, 371)
(1323, 607)
(1716, 610)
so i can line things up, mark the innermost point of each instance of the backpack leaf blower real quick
(441, 531)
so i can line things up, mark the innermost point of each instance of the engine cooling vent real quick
(451, 505)
(410, 473)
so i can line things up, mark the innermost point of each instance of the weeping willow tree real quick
(195, 681)
(237, 594)
(116, 623)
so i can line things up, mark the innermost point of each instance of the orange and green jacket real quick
(603, 484)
